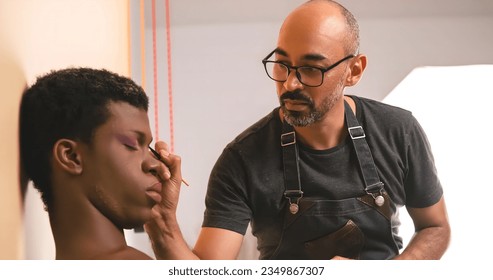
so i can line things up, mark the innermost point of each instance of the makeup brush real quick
(160, 158)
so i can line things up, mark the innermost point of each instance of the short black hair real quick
(69, 103)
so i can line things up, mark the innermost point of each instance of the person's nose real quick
(151, 164)
(292, 82)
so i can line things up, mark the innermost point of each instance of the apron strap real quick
(373, 185)
(292, 182)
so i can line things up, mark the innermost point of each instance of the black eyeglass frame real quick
(298, 75)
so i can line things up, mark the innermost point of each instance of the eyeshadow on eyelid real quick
(126, 140)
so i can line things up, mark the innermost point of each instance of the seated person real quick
(85, 139)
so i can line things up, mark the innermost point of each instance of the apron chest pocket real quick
(347, 241)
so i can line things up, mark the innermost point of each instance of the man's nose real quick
(292, 82)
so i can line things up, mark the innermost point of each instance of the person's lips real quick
(154, 192)
(295, 104)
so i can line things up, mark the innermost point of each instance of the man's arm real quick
(164, 230)
(212, 243)
(218, 244)
(432, 235)
(166, 238)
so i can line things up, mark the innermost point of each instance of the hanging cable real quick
(154, 64)
(170, 86)
(142, 46)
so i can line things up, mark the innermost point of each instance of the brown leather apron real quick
(362, 227)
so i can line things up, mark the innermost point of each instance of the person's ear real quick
(357, 67)
(66, 156)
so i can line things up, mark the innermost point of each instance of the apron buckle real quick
(293, 208)
(378, 197)
(293, 195)
(379, 200)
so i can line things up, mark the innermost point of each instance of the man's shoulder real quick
(254, 144)
(125, 253)
(379, 107)
(262, 129)
(373, 111)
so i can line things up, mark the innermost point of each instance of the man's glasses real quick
(307, 75)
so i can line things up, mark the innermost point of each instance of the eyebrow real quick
(310, 56)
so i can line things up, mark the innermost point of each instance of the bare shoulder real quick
(126, 253)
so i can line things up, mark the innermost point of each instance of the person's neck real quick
(80, 231)
(327, 133)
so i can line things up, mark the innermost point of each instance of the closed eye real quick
(130, 147)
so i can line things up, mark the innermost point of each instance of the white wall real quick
(395, 46)
(450, 104)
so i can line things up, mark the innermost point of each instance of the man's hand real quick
(340, 258)
(171, 180)
(163, 229)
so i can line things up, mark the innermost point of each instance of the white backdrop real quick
(453, 106)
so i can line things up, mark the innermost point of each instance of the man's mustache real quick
(295, 95)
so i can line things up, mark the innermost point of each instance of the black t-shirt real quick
(247, 181)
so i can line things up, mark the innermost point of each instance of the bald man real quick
(324, 175)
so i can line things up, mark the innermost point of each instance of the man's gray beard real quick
(295, 118)
(315, 115)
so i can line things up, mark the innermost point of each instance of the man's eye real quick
(130, 147)
(309, 70)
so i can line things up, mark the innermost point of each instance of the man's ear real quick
(66, 155)
(357, 68)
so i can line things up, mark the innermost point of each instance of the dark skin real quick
(102, 188)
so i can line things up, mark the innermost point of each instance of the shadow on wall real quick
(13, 186)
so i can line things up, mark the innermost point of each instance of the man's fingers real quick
(163, 172)
(162, 148)
(172, 162)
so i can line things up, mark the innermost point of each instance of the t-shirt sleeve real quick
(226, 198)
(422, 184)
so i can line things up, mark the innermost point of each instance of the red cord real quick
(154, 61)
(170, 87)
(142, 46)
